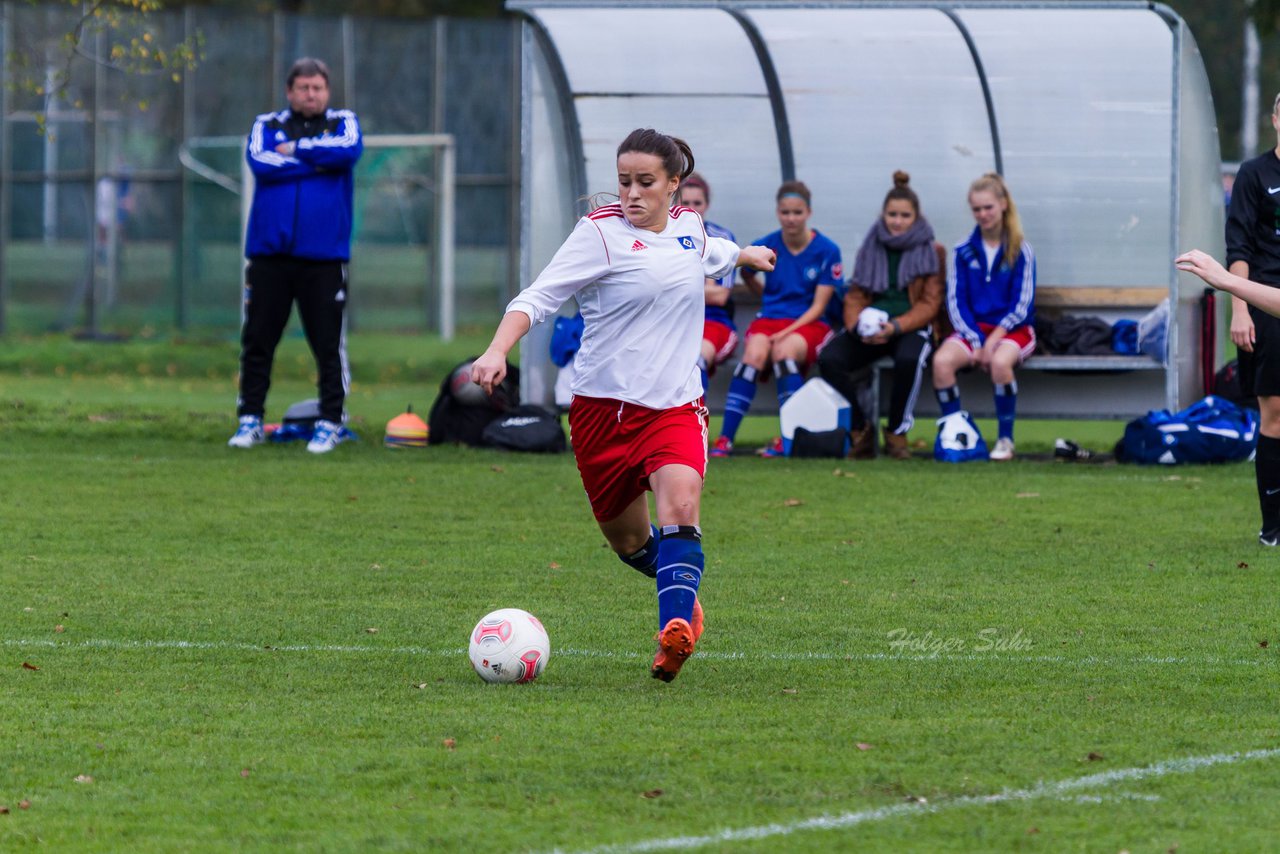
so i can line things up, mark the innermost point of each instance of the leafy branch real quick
(125, 31)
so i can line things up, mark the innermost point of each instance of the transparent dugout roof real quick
(1074, 104)
(1096, 113)
(872, 91)
(1085, 107)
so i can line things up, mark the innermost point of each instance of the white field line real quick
(714, 655)
(1060, 790)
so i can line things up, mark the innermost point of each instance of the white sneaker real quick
(326, 437)
(248, 434)
(1003, 449)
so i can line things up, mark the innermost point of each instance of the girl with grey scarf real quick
(898, 284)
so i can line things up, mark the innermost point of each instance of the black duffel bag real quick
(526, 428)
(824, 443)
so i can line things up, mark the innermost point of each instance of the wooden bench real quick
(1109, 302)
(1091, 300)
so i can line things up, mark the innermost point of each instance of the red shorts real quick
(1023, 337)
(618, 445)
(722, 337)
(815, 334)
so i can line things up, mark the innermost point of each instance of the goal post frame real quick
(444, 165)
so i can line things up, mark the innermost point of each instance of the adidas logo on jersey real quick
(637, 246)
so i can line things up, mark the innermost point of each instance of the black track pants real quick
(272, 285)
(845, 363)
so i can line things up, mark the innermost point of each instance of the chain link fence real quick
(121, 202)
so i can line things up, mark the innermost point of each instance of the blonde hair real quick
(1011, 224)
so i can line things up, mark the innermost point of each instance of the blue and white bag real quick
(1213, 430)
(958, 439)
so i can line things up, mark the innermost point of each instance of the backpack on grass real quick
(462, 410)
(526, 428)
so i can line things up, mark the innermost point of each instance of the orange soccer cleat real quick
(696, 622)
(675, 644)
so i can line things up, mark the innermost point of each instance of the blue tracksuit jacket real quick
(302, 203)
(1002, 296)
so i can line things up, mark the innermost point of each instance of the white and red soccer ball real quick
(509, 645)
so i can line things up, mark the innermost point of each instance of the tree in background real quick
(120, 35)
(1218, 28)
(389, 8)
(40, 63)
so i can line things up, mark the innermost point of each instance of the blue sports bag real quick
(1213, 430)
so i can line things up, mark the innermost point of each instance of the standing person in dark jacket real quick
(1253, 252)
(298, 245)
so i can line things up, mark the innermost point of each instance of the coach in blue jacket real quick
(298, 245)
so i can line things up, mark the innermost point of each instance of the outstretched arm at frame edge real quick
(1203, 265)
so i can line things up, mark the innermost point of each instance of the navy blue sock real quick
(789, 379)
(645, 561)
(1006, 408)
(680, 564)
(706, 376)
(742, 390)
(948, 399)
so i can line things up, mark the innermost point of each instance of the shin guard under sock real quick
(948, 399)
(742, 390)
(1006, 408)
(645, 561)
(789, 379)
(680, 563)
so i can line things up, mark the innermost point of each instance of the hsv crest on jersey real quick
(686, 242)
(637, 246)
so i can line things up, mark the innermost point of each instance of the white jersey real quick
(641, 296)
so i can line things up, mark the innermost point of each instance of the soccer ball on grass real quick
(509, 645)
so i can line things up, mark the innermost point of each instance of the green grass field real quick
(203, 649)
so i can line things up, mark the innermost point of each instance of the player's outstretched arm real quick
(757, 257)
(1203, 265)
(490, 369)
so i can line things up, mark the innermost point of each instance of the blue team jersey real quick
(721, 313)
(788, 290)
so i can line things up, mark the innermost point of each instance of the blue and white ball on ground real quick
(509, 645)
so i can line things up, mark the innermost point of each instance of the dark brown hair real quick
(794, 188)
(902, 190)
(306, 67)
(674, 152)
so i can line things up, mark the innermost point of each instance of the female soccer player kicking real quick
(638, 421)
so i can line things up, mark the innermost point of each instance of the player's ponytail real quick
(674, 152)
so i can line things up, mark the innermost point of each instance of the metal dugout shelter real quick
(1099, 116)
